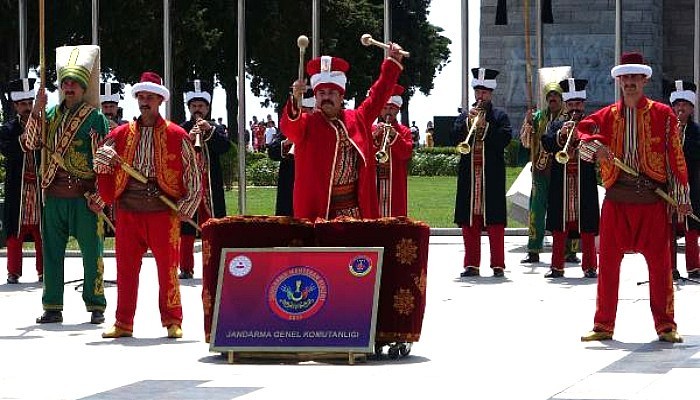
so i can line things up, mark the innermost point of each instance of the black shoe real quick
(50, 317)
(694, 274)
(590, 273)
(41, 278)
(531, 258)
(186, 275)
(469, 271)
(498, 272)
(12, 279)
(554, 273)
(676, 274)
(571, 258)
(97, 317)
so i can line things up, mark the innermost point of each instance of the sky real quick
(443, 100)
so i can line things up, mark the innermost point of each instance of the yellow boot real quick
(595, 336)
(671, 337)
(116, 332)
(174, 331)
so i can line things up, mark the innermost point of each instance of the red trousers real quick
(14, 250)
(136, 232)
(589, 259)
(187, 242)
(640, 228)
(472, 243)
(692, 253)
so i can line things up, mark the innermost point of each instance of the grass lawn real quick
(430, 199)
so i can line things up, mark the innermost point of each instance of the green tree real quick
(274, 56)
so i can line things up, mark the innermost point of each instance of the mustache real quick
(324, 102)
(144, 107)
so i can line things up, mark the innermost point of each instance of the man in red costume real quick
(335, 171)
(643, 134)
(392, 171)
(162, 153)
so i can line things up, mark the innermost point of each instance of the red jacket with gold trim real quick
(168, 138)
(657, 135)
(315, 144)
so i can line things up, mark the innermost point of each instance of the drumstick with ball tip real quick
(303, 43)
(367, 40)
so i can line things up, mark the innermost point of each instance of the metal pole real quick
(316, 28)
(167, 44)
(387, 24)
(538, 44)
(95, 21)
(22, 38)
(465, 55)
(618, 41)
(241, 109)
(696, 73)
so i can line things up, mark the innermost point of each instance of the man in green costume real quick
(536, 124)
(73, 130)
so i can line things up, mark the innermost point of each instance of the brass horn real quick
(382, 155)
(464, 147)
(562, 155)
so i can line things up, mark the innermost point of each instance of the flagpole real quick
(241, 109)
(538, 41)
(697, 54)
(528, 55)
(387, 25)
(167, 45)
(618, 42)
(95, 20)
(465, 55)
(42, 75)
(315, 28)
(22, 38)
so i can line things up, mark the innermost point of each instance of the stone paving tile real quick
(482, 338)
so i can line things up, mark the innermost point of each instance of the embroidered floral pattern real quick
(406, 251)
(421, 281)
(404, 301)
(99, 281)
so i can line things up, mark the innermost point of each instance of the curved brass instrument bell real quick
(464, 147)
(382, 156)
(562, 156)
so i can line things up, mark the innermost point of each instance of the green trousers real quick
(539, 196)
(72, 217)
(538, 212)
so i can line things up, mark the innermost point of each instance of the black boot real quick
(97, 317)
(531, 258)
(50, 317)
(554, 273)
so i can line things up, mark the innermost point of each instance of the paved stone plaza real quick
(482, 338)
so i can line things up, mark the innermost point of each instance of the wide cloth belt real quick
(67, 186)
(635, 190)
(344, 197)
(141, 197)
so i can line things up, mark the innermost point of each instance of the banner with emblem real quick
(297, 299)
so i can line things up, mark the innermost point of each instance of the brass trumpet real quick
(464, 147)
(197, 135)
(562, 155)
(382, 155)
